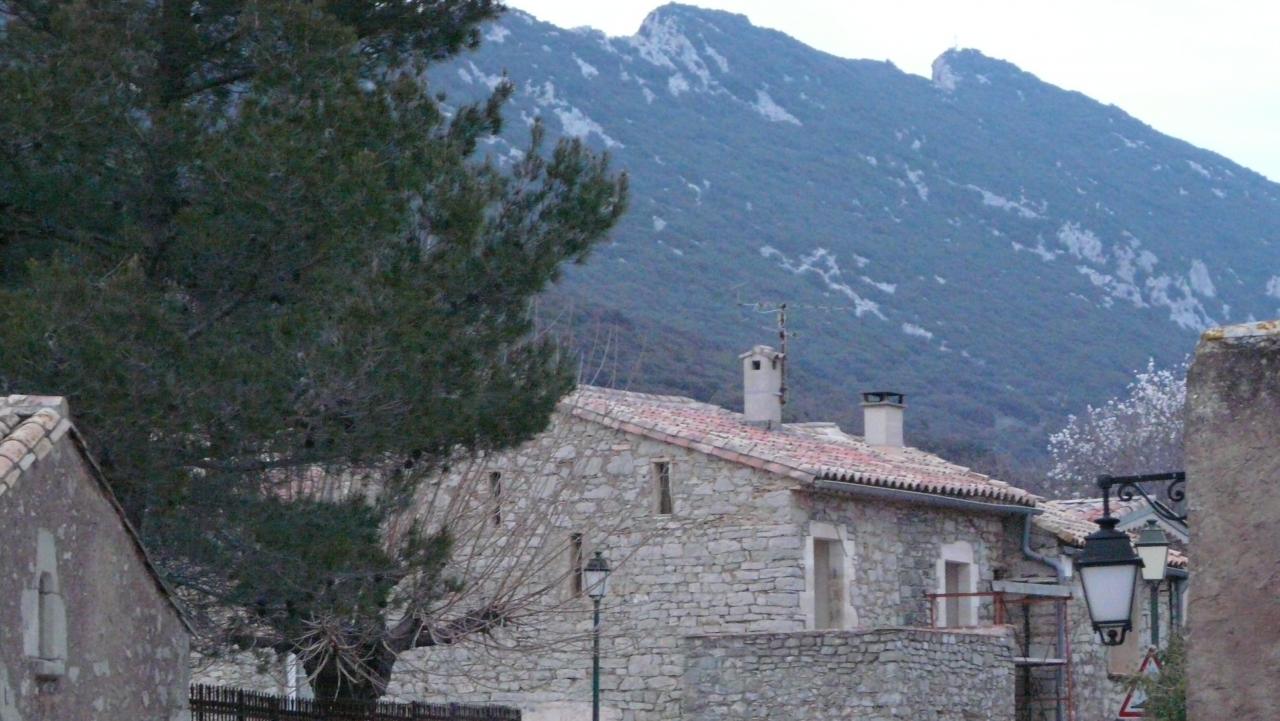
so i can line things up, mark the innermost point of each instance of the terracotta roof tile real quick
(1070, 521)
(804, 451)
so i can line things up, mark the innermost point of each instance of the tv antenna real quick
(779, 310)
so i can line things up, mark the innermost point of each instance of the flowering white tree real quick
(1138, 432)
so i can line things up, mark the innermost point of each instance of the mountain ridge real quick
(1003, 250)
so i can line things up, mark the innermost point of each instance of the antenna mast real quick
(780, 310)
(782, 342)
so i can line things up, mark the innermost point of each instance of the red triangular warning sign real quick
(1136, 699)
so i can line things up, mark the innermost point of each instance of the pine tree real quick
(255, 251)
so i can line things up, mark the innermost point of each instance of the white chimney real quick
(882, 418)
(762, 385)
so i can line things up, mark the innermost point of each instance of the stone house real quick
(773, 570)
(88, 630)
(769, 570)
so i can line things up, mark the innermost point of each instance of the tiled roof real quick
(29, 427)
(803, 451)
(1073, 519)
(1070, 521)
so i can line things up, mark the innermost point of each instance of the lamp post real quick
(595, 577)
(1109, 565)
(1153, 548)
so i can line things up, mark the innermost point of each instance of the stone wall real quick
(896, 548)
(263, 671)
(116, 649)
(728, 558)
(1232, 433)
(856, 675)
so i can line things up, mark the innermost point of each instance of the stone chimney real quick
(882, 418)
(762, 385)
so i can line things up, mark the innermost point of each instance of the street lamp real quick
(1109, 573)
(595, 577)
(1109, 566)
(1153, 548)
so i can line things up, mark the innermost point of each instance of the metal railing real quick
(990, 608)
(221, 703)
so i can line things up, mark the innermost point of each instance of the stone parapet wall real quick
(260, 671)
(865, 675)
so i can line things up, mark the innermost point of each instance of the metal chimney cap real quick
(877, 398)
(761, 350)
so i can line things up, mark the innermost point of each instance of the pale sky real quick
(1205, 71)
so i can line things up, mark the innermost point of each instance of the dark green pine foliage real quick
(247, 241)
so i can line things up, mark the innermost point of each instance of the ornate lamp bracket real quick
(1129, 487)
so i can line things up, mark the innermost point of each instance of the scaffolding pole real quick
(1048, 649)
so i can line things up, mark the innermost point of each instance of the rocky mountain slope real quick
(1000, 249)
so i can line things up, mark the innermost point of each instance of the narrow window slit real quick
(575, 564)
(662, 487)
(495, 495)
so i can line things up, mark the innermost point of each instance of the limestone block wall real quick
(871, 675)
(728, 558)
(263, 671)
(70, 571)
(895, 551)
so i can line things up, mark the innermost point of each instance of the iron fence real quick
(221, 703)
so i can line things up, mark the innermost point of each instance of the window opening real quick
(46, 615)
(575, 564)
(495, 494)
(828, 583)
(662, 487)
(957, 576)
(954, 584)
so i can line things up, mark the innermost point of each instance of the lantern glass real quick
(1109, 592)
(1153, 549)
(595, 577)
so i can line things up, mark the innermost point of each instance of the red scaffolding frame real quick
(1056, 655)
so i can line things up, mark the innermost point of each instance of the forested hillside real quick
(1001, 250)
